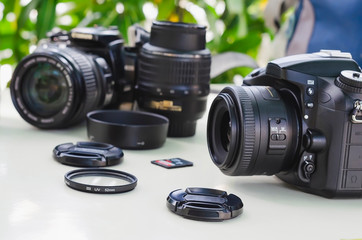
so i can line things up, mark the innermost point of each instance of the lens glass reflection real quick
(45, 89)
(99, 180)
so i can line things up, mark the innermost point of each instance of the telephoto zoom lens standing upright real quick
(174, 75)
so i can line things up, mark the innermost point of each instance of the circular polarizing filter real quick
(204, 204)
(103, 181)
(88, 154)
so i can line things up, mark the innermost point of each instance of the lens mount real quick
(70, 181)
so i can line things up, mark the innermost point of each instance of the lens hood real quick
(178, 36)
(127, 129)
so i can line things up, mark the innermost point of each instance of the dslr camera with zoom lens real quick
(299, 118)
(70, 74)
(173, 75)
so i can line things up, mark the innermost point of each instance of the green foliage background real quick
(18, 31)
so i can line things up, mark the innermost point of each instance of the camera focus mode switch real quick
(278, 134)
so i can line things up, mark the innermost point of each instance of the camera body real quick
(70, 74)
(299, 118)
(107, 43)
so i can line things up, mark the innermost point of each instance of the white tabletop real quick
(36, 204)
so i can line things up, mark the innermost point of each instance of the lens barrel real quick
(252, 131)
(174, 75)
(56, 87)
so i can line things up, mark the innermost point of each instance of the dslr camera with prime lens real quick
(299, 118)
(70, 74)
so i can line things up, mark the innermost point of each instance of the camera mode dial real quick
(350, 81)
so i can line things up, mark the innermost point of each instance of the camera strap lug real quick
(357, 110)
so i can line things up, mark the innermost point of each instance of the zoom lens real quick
(56, 87)
(252, 130)
(174, 75)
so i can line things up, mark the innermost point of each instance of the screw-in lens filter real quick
(75, 179)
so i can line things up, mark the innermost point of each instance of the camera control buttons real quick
(314, 141)
(309, 105)
(353, 179)
(306, 166)
(278, 134)
(310, 91)
(350, 81)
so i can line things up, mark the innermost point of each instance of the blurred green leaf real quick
(165, 9)
(46, 17)
(242, 30)
(235, 6)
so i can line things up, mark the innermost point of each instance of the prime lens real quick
(174, 75)
(252, 131)
(56, 87)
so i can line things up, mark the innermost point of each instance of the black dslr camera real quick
(69, 75)
(299, 118)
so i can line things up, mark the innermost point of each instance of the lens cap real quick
(88, 154)
(204, 204)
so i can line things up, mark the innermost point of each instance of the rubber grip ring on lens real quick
(68, 178)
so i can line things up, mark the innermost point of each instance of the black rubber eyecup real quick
(127, 129)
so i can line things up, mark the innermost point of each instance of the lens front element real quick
(45, 89)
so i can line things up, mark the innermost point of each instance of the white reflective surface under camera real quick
(37, 204)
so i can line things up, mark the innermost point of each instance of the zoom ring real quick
(248, 123)
(175, 71)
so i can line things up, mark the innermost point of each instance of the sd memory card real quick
(172, 163)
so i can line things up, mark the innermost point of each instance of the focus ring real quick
(248, 123)
(89, 77)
